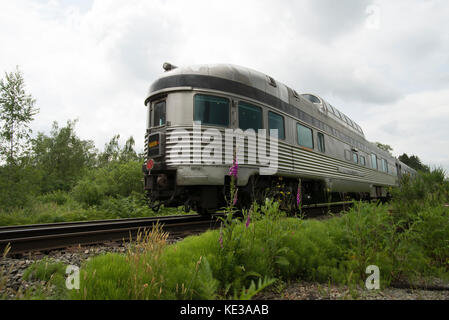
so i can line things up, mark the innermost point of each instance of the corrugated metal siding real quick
(291, 159)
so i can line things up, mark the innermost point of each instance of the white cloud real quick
(417, 124)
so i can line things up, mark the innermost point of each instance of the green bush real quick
(114, 180)
(426, 189)
(59, 197)
(104, 277)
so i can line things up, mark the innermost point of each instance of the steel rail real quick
(47, 236)
(59, 235)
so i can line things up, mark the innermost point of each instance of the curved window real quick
(276, 121)
(250, 117)
(311, 98)
(211, 110)
(305, 136)
(355, 157)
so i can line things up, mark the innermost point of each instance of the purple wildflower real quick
(233, 171)
(248, 219)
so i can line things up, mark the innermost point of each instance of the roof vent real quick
(167, 66)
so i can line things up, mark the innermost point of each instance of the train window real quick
(250, 117)
(373, 161)
(148, 122)
(384, 165)
(211, 110)
(276, 121)
(305, 136)
(339, 114)
(321, 146)
(159, 114)
(355, 157)
(311, 98)
(362, 160)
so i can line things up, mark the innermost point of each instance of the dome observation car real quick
(326, 108)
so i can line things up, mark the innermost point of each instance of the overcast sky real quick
(383, 63)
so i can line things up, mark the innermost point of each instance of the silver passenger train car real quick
(191, 108)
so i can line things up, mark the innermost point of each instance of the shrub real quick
(426, 189)
(114, 180)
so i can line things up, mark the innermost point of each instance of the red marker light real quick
(150, 164)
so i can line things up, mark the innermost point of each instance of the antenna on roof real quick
(167, 66)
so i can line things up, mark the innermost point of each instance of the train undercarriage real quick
(162, 189)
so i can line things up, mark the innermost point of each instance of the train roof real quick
(261, 82)
(333, 112)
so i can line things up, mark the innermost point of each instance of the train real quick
(202, 118)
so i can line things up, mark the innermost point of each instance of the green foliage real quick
(62, 157)
(114, 153)
(17, 186)
(16, 112)
(60, 206)
(413, 162)
(105, 276)
(114, 180)
(44, 270)
(254, 289)
(384, 147)
(413, 194)
(127, 207)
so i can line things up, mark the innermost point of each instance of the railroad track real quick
(44, 237)
(60, 235)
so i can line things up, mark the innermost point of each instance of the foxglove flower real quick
(233, 171)
(248, 219)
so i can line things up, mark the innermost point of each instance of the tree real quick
(16, 112)
(62, 157)
(114, 153)
(384, 147)
(413, 162)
